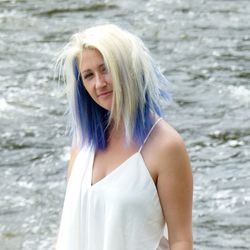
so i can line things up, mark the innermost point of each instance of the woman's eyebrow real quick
(89, 70)
(86, 71)
(101, 65)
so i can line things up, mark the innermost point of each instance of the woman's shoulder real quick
(168, 145)
(167, 137)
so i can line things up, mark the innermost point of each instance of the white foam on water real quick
(240, 92)
(4, 105)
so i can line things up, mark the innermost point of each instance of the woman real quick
(129, 175)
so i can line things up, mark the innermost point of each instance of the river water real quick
(203, 47)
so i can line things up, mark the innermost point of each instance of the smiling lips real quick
(104, 94)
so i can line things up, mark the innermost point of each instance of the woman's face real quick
(96, 78)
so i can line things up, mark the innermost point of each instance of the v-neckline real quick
(116, 169)
(120, 166)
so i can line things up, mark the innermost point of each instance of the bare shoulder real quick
(169, 135)
(169, 148)
(167, 138)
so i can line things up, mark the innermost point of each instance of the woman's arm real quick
(175, 188)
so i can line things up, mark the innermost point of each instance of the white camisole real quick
(122, 211)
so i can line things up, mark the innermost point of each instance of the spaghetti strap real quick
(149, 133)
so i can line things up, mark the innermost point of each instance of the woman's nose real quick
(100, 81)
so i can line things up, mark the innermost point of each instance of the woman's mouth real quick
(104, 94)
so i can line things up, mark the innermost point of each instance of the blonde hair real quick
(137, 81)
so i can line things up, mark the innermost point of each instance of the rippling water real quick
(203, 47)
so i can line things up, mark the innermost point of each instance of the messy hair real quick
(138, 86)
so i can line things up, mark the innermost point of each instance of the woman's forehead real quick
(90, 59)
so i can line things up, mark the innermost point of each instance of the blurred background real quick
(202, 47)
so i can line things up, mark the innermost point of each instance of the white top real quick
(122, 211)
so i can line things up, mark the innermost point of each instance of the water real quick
(203, 47)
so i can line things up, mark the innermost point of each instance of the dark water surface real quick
(203, 47)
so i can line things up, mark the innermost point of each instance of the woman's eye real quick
(87, 76)
(104, 69)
